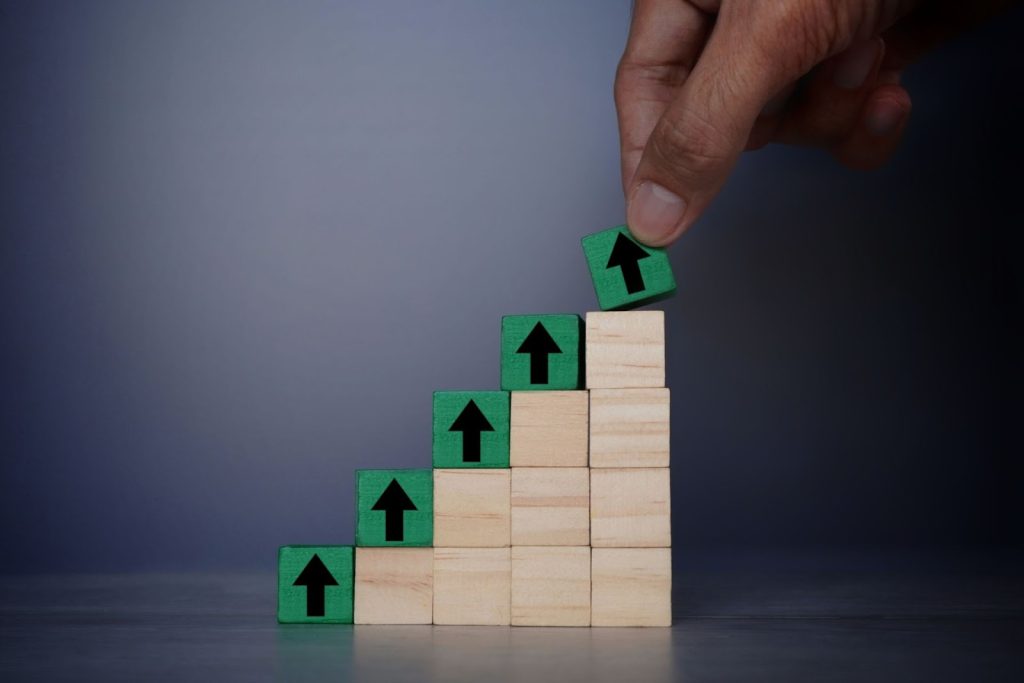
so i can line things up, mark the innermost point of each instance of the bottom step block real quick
(472, 586)
(550, 586)
(394, 586)
(314, 584)
(631, 587)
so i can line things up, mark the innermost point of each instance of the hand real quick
(702, 80)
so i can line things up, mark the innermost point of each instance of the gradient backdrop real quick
(242, 242)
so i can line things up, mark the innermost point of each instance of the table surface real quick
(818, 625)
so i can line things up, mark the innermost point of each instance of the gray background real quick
(242, 242)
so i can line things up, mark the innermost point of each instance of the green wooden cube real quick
(471, 429)
(626, 274)
(394, 507)
(541, 352)
(315, 584)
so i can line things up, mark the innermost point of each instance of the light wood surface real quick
(472, 508)
(631, 587)
(630, 508)
(549, 429)
(550, 586)
(551, 506)
(472, 586)
(629, 428)
(625, 349)
(394, 586)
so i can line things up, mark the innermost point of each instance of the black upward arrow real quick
(394, 502)
(625, 254)
(471, 422)
(315, 577)
(539, 345)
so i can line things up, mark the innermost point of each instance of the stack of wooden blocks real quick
(548, 503)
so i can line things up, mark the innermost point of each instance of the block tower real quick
(548, 503)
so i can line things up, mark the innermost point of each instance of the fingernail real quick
(654, 212)
(854, 65)
(883, 117)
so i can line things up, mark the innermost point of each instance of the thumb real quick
(698, 139)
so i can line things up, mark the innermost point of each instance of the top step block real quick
(541, 352)
(626, 274)
(625, 349)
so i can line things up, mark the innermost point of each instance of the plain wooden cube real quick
(550, 506)
(472, 508)
(630, 508)
(629, 428)
(472, 586)
(394, 586)
(549, 429)
(625, 350)
(631, 587)
(550, 586)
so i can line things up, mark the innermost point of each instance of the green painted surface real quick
(296, 563)
(454, 427)
(611, 283)
(417, 525)
(564, 367)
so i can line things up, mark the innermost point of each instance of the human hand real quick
(702, 80)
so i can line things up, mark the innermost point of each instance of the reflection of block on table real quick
(631, 587)
(550, 506)
(472, 586)
(472, 508)
(629, 428)
(394, 585)
(625, 349)
(550, 586)
(630, 508)
(549, 429)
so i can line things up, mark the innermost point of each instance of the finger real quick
(878, 131)
(665, 38)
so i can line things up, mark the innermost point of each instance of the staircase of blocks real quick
(548, 502)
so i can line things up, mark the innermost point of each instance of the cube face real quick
(472, 508)
(541, 352)
(549, 429)
(394, 507)
(394, 586)
(550, 506)
(630, 508)
(625, 350)
(314, 584)
(471, 429)
(631, 587)
(625, 273)
(550, 586)
(472, 586)
(629, 427)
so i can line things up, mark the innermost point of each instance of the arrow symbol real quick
(625, 255)
(539, 345)
(471, 422)
(394, 502)
(315, 577)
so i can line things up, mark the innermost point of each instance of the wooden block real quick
(541, 352)
(471, 429)
(314, 584)
(550, 506)
(625, 350)
(550, 586)
(630, 508)
(394, 508)
(629, 427)
(472, 508)
(631, 587)
(549, 429)
(394, 586)
(626, 274)
(472, 586)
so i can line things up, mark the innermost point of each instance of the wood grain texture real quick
(472, 586)
(472, 508)
(629, 428)
(549, 429)
(631, 587)
(550, 586)
(394, 586)
(418, 524)
(292, 599)
(630, 508)
(654, 270)
(448, 445)
(625, 350)
(550, 506)
(564, 368)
